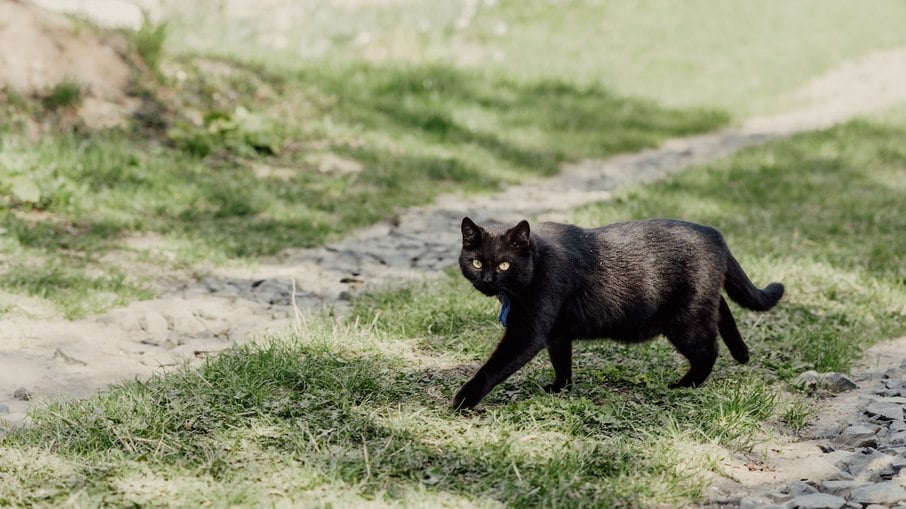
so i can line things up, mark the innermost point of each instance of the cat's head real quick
(496, 260)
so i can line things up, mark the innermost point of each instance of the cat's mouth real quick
(490, 291)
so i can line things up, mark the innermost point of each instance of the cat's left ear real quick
(519, 235)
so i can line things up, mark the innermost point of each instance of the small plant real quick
(240, 131)
(148, 41)
(796, 415)
(64, 94)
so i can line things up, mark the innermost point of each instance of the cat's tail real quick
(746, 294)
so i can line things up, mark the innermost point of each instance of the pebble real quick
(799, 488)
(880, 493)
(816, 501)
(836, 382)
(4, 409)
(888, 411)
(22, 394)
(869, 450)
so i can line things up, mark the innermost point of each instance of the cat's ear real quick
(518, 235)
(471, 233)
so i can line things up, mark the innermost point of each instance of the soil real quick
(50, 48)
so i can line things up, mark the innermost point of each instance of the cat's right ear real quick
(471, 233)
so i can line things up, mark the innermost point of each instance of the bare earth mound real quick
(41, 49)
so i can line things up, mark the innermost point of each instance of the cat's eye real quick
(476, 263)
(503, 266)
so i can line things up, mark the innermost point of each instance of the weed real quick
(65, 94)
(148, 41)
(796, 415)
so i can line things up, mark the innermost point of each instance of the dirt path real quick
(53, 360)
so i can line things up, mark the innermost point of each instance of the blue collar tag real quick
(504, 309)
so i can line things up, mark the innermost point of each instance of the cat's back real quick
(658, 234)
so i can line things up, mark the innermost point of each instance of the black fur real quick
(628, 281)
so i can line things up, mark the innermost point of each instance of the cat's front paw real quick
(468, 396)
(558, 385)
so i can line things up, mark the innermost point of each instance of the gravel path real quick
(53, 360)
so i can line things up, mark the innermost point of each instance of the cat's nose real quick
(487, 277)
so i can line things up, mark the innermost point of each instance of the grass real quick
(744, 58)
(148, 42)
(65, 94)
(244, 180)
(355, 411)
(291, 125)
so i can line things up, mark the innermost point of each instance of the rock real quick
(22, 394)
(4, 409)
(807, 380)
(886, 492)
(897, 426)
(875, 506)
(841, 487)
(836, 382)
(871, 465)
(884, 410)
(897, 439)
(858, 435)
(816, 501)
(754, 502)
(799, 488)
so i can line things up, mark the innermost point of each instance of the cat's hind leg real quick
(561, 354)
(730, 333)
(698, 344)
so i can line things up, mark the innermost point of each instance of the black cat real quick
(628, 281)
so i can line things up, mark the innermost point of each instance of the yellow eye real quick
(476, 263)
(504, 266)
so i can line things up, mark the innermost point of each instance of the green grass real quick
(246, 179)
(65, 94)
(148, 42)
(357, 412)
(742, 57)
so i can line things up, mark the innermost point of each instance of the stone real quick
(884, 410)
(816, 501)
(807, 380)
(841, 487)
(858, 435)
(22, 394)
(4, 409)
(799, 488)
(897, 439)
(869, 464)
(836, 382)
(897, 426)
(875, 506)
(754, 502)
(886, 492)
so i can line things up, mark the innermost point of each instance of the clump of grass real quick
(796, 415)
(65, 94)
(148, 41)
